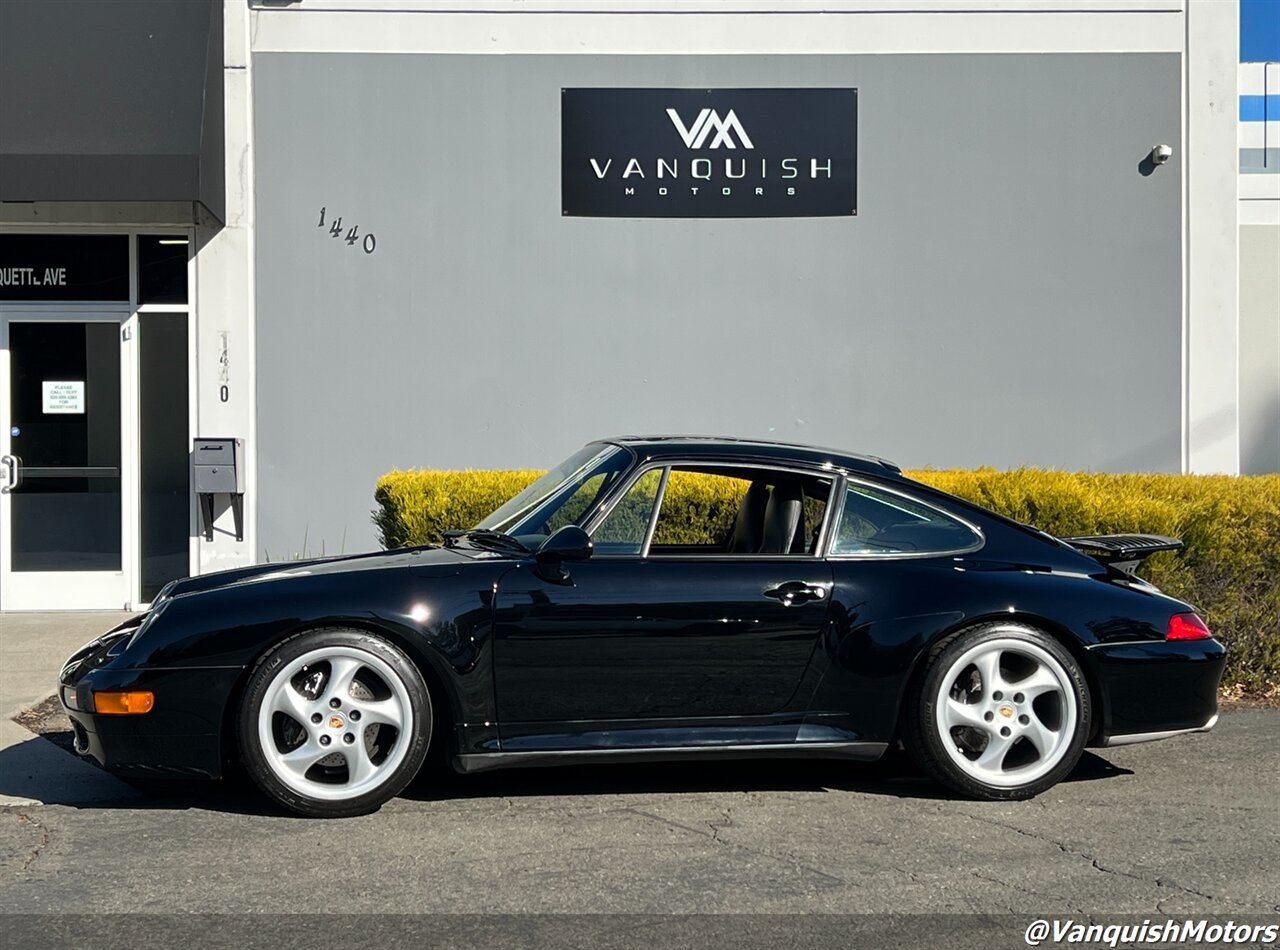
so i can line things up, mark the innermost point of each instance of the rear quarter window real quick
(873, 522)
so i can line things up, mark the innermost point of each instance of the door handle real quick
(796, 592)
(13, 473)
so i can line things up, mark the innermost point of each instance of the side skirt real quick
(484, 761)
(1135, 737)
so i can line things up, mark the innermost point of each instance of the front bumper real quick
(180, 737)
(1157, 689)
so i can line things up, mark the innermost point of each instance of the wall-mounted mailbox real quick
(218, 469)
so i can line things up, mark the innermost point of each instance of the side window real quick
(881, 522)
(576, 505)
(698, 508)
(731, 510)
(623, 529)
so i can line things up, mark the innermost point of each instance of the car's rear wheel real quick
(1001, 712)
(334, 723)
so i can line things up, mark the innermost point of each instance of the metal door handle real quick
(796, 592)
(13, 473)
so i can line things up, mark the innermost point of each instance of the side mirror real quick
(569, 543)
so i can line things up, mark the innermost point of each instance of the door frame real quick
(77, 590)
(74, 311)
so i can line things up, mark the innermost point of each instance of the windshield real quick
(563, 495)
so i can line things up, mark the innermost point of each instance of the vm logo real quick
(708, 121)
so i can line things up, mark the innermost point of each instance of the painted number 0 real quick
(369, 243)
(224, 393)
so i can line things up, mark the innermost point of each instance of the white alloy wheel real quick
(1009, 710)
(334, 722)
(1000, 711)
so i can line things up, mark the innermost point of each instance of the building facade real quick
(418, 233)
(1259, 191)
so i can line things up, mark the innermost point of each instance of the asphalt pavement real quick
(1188, 826)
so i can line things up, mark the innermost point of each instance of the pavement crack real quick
(715, 826)
(1096, 864)
(1162, 882)
(45, 837)
(1013, 886)
(713, 835)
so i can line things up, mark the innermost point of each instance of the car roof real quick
(658, 446)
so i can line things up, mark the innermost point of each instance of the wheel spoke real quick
(302, 758)
(1041, 736)
(1037, 684)
(387, 712)
(342, 670)
(359, 766)
(956, 713)
(988, 665)
(992, 757)
(293, 704)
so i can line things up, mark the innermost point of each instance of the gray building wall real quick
(1009, 292)
(1259, 348)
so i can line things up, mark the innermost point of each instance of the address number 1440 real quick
(353, 236)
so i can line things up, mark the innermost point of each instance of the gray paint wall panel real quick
(1259, 348)
(1009, 292)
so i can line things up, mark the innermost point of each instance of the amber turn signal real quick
(130, 703)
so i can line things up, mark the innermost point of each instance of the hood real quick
(424, 561)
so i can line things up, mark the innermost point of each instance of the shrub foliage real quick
(1231, 526)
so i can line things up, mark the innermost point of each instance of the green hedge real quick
(1231, 526)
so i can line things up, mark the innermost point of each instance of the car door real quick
(655, 640)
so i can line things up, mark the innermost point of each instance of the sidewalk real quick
(33, 647)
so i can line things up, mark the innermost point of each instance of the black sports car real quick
(826, 606)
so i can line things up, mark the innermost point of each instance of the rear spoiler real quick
(1123, 551)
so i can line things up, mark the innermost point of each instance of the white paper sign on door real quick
(63, 397)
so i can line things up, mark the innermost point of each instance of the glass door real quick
(67, 398)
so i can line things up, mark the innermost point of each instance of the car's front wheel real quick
(1001, 712)
(334, 722)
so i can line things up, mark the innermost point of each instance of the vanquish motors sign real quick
(709, 153)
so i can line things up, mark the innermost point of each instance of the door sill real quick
(484, 761)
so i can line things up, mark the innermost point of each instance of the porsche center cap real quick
(1006, 711)
(336, 722)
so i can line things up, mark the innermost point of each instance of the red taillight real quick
(1186, 627)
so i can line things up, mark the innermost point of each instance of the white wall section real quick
(977, 26)
(1213, 378)
(224, 298)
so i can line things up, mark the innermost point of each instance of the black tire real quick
(923, 727)
(416, 736)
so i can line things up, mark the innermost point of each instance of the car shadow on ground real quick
(894, 775)
(47, 770)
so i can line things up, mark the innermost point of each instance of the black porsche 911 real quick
(840, 608)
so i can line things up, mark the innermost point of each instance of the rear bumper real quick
(180, 737)
(1158, 689)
